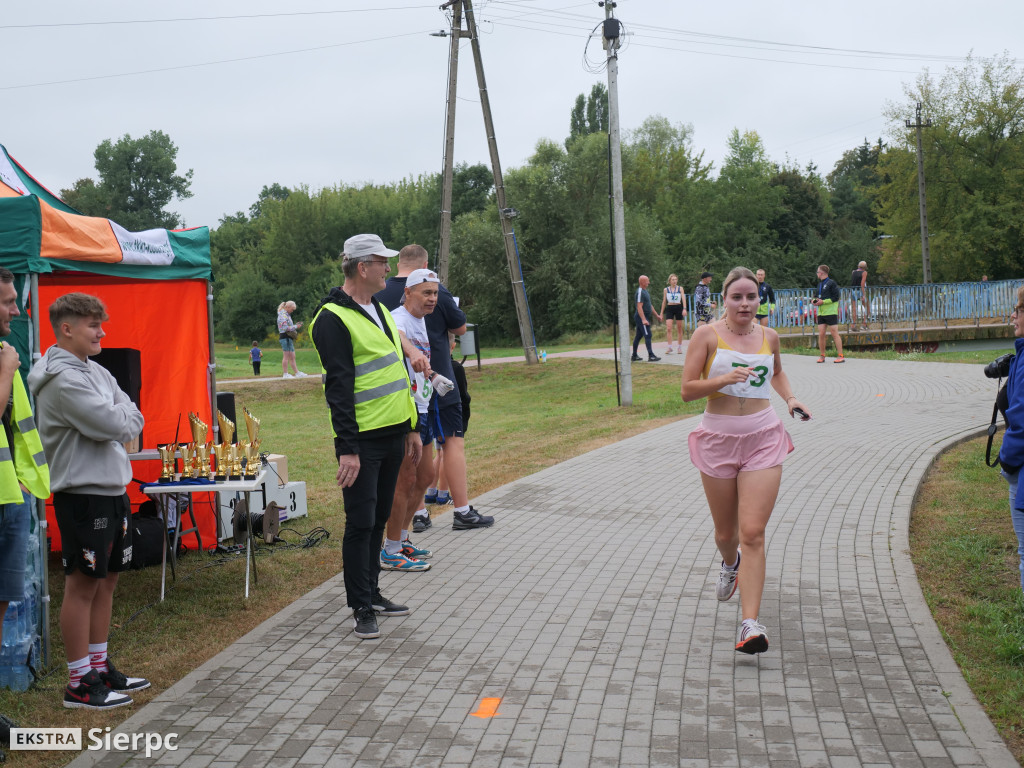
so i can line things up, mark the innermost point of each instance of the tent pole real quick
(44, 544)
(213, 365)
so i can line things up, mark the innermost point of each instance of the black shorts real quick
(828, 319)
(674, 312)
(94, 532)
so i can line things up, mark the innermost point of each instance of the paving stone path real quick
(589, 612)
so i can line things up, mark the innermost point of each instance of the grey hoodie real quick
(83, 417)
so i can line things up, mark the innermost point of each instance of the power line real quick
(209, 63)
(116, 22)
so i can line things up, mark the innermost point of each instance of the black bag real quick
(147, 536)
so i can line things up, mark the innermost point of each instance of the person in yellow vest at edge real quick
(84, 418)
(826, 299)
(373, 417)
(23, 470)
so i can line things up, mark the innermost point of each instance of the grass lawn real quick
(965, 553)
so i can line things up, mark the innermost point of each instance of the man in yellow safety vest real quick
(372, 414)
(23, 469)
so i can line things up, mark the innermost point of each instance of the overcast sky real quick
(322, 93)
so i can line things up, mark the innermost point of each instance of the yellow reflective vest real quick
(383, 394)
(24, 463)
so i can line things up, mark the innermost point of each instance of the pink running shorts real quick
(723, 446)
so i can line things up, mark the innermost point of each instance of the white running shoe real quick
(753, 637)
(287, 376)
(301, 375)
(727, 580)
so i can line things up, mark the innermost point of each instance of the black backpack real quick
(147, 536)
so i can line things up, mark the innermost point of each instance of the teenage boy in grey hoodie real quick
(83, 419)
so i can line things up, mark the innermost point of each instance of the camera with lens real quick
(1000, 367)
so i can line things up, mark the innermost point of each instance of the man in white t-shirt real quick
(400, 554)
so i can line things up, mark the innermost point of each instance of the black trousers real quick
(642, 332)
(367, 508)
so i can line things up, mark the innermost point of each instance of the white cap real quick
(418, 276)
(359, 247)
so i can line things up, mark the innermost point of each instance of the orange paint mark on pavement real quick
(880, 394)
(488, 708)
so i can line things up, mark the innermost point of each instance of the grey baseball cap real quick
(359, 247)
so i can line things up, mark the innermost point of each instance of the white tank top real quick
(758, 385)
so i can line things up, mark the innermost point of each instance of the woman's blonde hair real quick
(284, 305)
(671, 276)
(737, 273)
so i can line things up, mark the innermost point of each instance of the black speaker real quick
(125, 365)
(226, 405)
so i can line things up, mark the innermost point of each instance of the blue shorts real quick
(856, 294)
(424, 425)
(288, 345)
(14, 525)
(446, 422)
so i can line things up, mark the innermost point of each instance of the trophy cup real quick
(227, 428)
(188, 458)
(222, 452)
(252, 447)
(169, 464)
(234, 462)
(199, 433)
(226, 451)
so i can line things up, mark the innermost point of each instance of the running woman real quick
(676, 301)
(740, 444)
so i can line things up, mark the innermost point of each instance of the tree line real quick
(683, 215)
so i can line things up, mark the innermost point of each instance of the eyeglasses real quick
(377, 261)
(1018, 310)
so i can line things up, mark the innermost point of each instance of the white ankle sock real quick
(392, 547)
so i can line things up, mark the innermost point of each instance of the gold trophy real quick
(234, 462)
(199, 433)
(228, 465)
(252, 447)
(169, 464)
(222, 452)
(227, 428)
(188, 458)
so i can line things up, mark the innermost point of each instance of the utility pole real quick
(926, 259)
(505, 214)
(610, 36)
(449, 142)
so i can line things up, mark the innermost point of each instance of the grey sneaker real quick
(385, 607)
(463, 521)
(364, 623)
(420, 523)
(727, 580)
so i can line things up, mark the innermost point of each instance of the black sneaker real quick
(116, 681)
(653, 359)
(420, 523)
(92, 693)
(364, 623)
(471, 519)
(636, 359)
(385, 607)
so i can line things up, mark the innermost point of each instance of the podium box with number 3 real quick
(290, 497)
